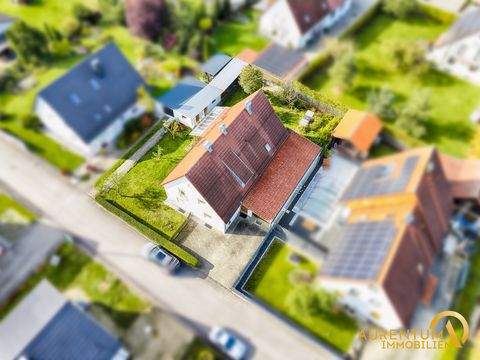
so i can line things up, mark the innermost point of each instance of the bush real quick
(400, 8)
(414, 114)
(29, 43)
(146, 230)
(86, 15)
(251, 79)
(9, 80)
(31, 122)
(380, 102)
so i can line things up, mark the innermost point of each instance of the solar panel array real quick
(361, 250)
(378, 180)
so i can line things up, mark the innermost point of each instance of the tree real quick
(336, 47)
(289, 95)
(145, 99)
(414, 114)
(380, 102)
(475, 145)
(343, 70)
(306, 300)
(146, 18)
(174, 128)
(400, 8)
(113, 11)
(86, 15)
(251, 79)
(31, 122)
(409, 57)
(29, 43)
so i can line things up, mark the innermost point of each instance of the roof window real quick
(74, 98)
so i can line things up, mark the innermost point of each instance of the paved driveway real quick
(223, 256)
(202, 302)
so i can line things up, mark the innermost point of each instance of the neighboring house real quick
(246, 162)
(5, 23)
(214, 65)
(86, 108)
(458, 50)
(464, 178)
(277, 62)
(396, 216)
(45, 325)
(357, 132)
(296, 23)
(191, 100)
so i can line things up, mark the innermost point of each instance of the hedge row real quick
(152, 234)
(437, 14)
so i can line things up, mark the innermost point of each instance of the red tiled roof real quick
(272, 190)
(239, 157)
(307, 13)
(360, 128)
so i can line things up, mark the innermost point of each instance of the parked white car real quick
(229, 343)
(159, 256)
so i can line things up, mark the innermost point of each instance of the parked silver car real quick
(229, 343)
(158, 255)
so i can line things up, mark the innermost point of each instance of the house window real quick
(353, 292)
(94, 84)
(206, 216)
(268, 147)
(182, 193)
(168, 111)
(75, 99)
(200, 201)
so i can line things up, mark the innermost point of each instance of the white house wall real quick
(278, 24)
(60, 130)
(462, 65)
(369, 301)
(181, 194)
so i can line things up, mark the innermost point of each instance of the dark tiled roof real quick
(467, 25)
(280, 178)
(215, 64)
(182, 92)
(90, 100)
(307, 13)
(239, 157)
(279, 61)
(72, 335)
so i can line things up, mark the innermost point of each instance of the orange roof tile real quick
(211, 134)
(247, 55)
(291, 162)
(360, 128)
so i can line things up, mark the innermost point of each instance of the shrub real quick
(9, 80)
(414, 114)
(380, 102)
(146, 230)
(343, 70)
(251, 79)
(32, 122)
(29, 43)
(86, 15)
(400, 8)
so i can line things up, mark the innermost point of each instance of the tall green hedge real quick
(173, 248)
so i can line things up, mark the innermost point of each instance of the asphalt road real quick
(201, 302)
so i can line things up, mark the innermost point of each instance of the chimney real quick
(248, 107)
(208, 146)
(223, 129)
(96, 67)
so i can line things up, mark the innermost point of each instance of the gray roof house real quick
(87, 107)
(215, 64)
(47, 326)
(191, 100)
(457, 51)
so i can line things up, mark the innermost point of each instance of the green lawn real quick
(7, 203)
(452, 99)
(270, 283)
(140, 193)
(233, 36)
(79, 274)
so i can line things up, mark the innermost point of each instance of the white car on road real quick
(159, 256)
(229, 343)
